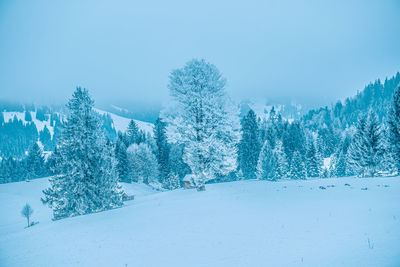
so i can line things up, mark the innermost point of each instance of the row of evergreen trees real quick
(207, 141)
(32, 166)
(273, 148)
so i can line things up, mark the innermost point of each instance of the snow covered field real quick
(246, 223)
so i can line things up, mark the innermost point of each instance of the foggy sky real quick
(123, 51)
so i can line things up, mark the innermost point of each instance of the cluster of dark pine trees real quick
(274, 148)
(19, 140)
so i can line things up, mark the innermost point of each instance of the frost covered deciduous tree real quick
(204, 120)
(143, 166)
(87, 181)
(176, 163)
(249, 146)
(27, 211)
(172, 181)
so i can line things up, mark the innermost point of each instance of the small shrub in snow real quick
(27, 212)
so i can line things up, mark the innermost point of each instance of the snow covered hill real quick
(121, 123)
(320, 222)
(21, 116)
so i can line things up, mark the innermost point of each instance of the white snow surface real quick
(121, 123)
(244, 223)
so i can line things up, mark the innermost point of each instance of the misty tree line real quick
(200, 133)
(19, 149)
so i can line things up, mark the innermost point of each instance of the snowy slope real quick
(246, 223)
(21, 116)
(121, 123)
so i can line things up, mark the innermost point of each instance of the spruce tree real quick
(87, 182)
(45, 138)
(249, 146)
(297, 168)
(375, 146)
(35, 162)
(132, 133)
(267, 163)
(366, 150)
(341, 165)
(282, 170)
(358, 149)
(162, 148)
(313, 160)
(394, 128)
(121, 156)
(28, 116)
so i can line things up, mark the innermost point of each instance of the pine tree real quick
(358, 149)
(162, 149)
(40, 116)
(366, 150)
(132, 133)
(394, 128)
(45, 138)
(297, 168)
(267, 163)
(313, 160)
(28, 116)
(283, 166)
(87, 182)
(389, 159)
(53, 161)
(35, 162)
(204, 120)
(122, 158)
(338, 166)
(374, 144)
(249, 146)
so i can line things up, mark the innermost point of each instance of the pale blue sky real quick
(123, 51)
